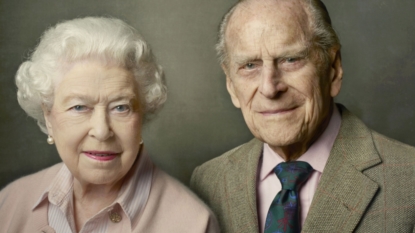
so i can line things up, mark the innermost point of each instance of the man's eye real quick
(249, 66)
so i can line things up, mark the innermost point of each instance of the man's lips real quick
(101, 155)
(277, 111)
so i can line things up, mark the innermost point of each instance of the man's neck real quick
(294, 151)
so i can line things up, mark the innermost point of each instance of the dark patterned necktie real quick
(284, 213)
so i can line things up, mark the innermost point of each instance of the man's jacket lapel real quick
(344, 192)
(240, 183)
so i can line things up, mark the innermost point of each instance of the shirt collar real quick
(60, 186)
(317, 155)
(136, 189)
(132, 196)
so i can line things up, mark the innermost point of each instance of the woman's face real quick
(96, 121)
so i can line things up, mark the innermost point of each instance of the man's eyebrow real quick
(297, 52)
(240, 59)
(290, 52)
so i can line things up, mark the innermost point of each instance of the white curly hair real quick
(108, 39)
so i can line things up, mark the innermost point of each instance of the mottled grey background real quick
(199, 121)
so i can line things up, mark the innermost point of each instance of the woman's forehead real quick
(93, 78)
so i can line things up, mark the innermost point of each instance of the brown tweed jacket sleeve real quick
(368, 185)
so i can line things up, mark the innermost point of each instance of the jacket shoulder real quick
(214, 167)
(393, 151)
(207, 179)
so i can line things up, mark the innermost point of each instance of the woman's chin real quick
(98, 177)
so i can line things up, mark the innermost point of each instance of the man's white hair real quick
(324, 37)
(107, 39)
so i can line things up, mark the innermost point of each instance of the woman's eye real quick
(291, 59)
(79, 108)
(122, 108)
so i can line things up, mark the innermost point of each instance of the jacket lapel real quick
(241, 187)
(344, 192)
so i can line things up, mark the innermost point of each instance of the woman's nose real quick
(100, 127)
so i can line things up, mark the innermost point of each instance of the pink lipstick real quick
(101, 155)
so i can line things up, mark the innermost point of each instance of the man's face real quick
(274, 74)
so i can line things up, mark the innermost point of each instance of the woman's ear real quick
(47, 116)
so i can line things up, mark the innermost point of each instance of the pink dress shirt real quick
(149, 201)
(128, 205)
(268, 184)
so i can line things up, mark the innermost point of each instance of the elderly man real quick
(312, 166)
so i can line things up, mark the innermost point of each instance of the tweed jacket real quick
(368, 185)
(170, 207)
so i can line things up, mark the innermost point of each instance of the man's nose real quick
(271, 83)
(100, 127)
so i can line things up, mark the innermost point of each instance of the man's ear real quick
(46, 115)
(336, 72)
(230, 87)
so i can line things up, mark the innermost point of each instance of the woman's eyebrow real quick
(77, 96)
(89, 99)
(123, 96)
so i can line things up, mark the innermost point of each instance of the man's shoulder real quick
(389, 150)
(393, 151)
(208, 179)
(230, 158)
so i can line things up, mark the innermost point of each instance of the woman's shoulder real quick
(19, 199)
(29, 185)
(172, 189)
(172, 207)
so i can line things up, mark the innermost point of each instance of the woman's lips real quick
(101, 155)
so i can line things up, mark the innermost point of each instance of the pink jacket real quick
(171, 207)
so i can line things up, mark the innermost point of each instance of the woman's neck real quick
(89, 199)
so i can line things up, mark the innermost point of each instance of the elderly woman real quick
(90, 84)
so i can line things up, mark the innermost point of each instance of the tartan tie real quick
(284, 213)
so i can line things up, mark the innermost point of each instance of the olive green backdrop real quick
(199, 121)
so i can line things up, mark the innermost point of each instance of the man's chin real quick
(280, 142)
(279, 134)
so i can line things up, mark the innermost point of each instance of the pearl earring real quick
(50, 140)
(141, 142)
